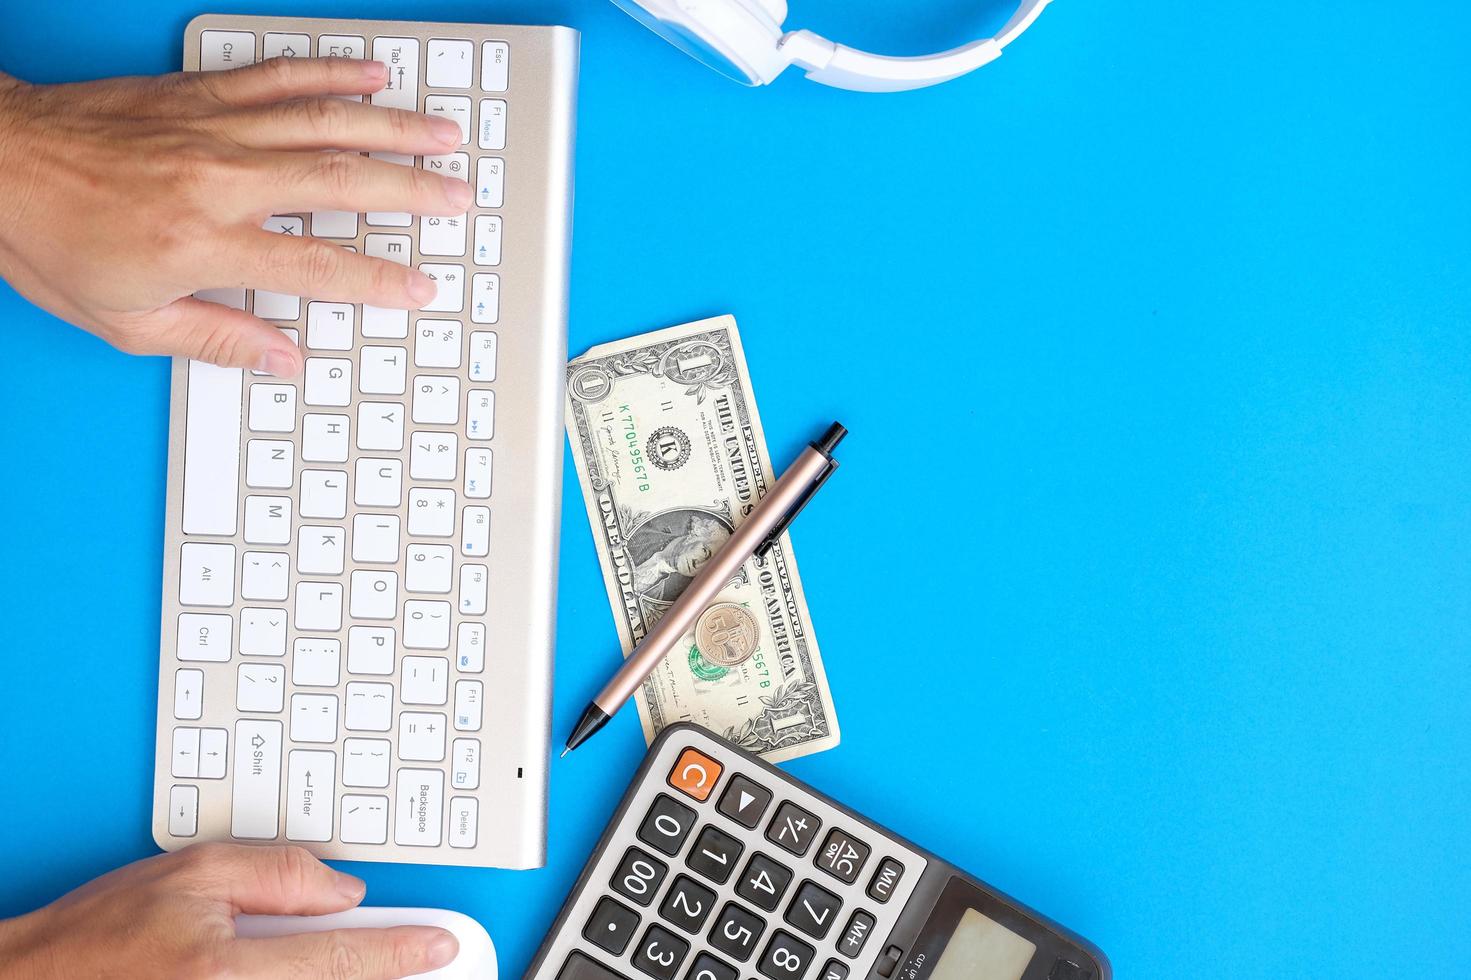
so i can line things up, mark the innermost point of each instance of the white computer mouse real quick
(476, 959)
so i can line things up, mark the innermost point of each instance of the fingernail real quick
(441, 950)
(447, 131)
(279, 363)
(375, 71)
(421, 287)
(350, 888)
(458, 193)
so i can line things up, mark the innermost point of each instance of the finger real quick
(324, 123)
(309, 267)
(278, 79)
(345, 954)
(267, 880)
(351, 182)
(218, 334)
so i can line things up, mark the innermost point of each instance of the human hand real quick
(124, 197)
(173, 916)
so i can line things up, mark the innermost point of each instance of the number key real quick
(660, 953)
(714, 855)
(736, 931)
(786, 957)
(764, 882)
(688, 904)
(842, 856)
(669, 822)
(708, 967)
(611, 926)
(814, 909)
(639, 876)
(793, 828)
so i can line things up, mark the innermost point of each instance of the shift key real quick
(257, 791)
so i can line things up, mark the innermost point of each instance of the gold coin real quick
(727, 634)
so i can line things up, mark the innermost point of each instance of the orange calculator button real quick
(695, 774)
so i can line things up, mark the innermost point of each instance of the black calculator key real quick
(688, 904)
(660, 953)
(736, 931)
(814, 909)
(885, 880)
(842, 856)
(667, 824)
(793, 828)
(786, 957)
(835, 970)
(714, 855)
(582, 967)
(639, 876)
(745, 802)
(860, 927)
(764, 882)
(612, 926)
(708, 967)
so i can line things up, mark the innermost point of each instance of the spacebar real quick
(212, 449)
(580, 967)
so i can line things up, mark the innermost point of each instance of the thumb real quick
(218, 334)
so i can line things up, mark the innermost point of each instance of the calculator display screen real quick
(983, 949)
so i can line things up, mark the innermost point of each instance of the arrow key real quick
(744, 801)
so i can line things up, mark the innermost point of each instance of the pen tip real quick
(564, 752)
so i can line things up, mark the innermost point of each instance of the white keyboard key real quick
(492, 124)
(188, 694)
(433, 456)
(324, 494)
(315, 661)
(430, 568)
(469, 699)
(379, 322)
(475, 532)
(267, 520)
(263, 632)
(206, 574)
(383, 370)
(464, 821)
(328, 381)
(436, 400)
(231, 296)
(379, 482)
(490, 182)
(370, 709)
(277, 306)
(185, 757)
(425, 680)
(370, 650)
(451, 64)
(183, 811)
(482, 355)
(264, 576)
(375, 538)
(391, 219)
(212, 448)
(269, 463)
(470, 648)
(329, 326)
(421, 736)
(272, 409)
(324, 437)
(481, 414)
(213, 749)
(287, 45)
(495, 66)
(260, 687)
(222, 50)
(256, 795)
(437, 343)
(465, 762)
(204, 637)
(319, 606)
(474, 589)
(311, 781)
(313, 717)
(431, 512)
(365, 761)
(394, 248)
(477, 473)
(364, 818)
(442, 236)
(341, 46)
(401, 55)
(426, 624)
(456, 107)
(420, 808)
(319, 550)
(449, 165)
(334, 224)
(485, 298)
(450, 281)
(381, 426)
(374, 595)
(488, 228)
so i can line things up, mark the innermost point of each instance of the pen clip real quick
(781, 526)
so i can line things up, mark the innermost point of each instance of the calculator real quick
(719, 866)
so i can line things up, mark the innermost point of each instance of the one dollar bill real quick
(671, 458)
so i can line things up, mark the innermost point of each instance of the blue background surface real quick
(1144, 587)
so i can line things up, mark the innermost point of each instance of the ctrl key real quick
(581, 967)
(183, 811)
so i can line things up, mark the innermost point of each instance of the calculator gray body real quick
(909, 930)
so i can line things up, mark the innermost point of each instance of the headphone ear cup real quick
(775, 9)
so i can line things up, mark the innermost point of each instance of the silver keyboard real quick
(360, 564)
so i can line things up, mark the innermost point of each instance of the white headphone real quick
(743, 39)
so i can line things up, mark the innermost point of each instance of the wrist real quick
(13, 94)
(23, 953)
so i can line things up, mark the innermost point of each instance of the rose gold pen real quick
(755, 536)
